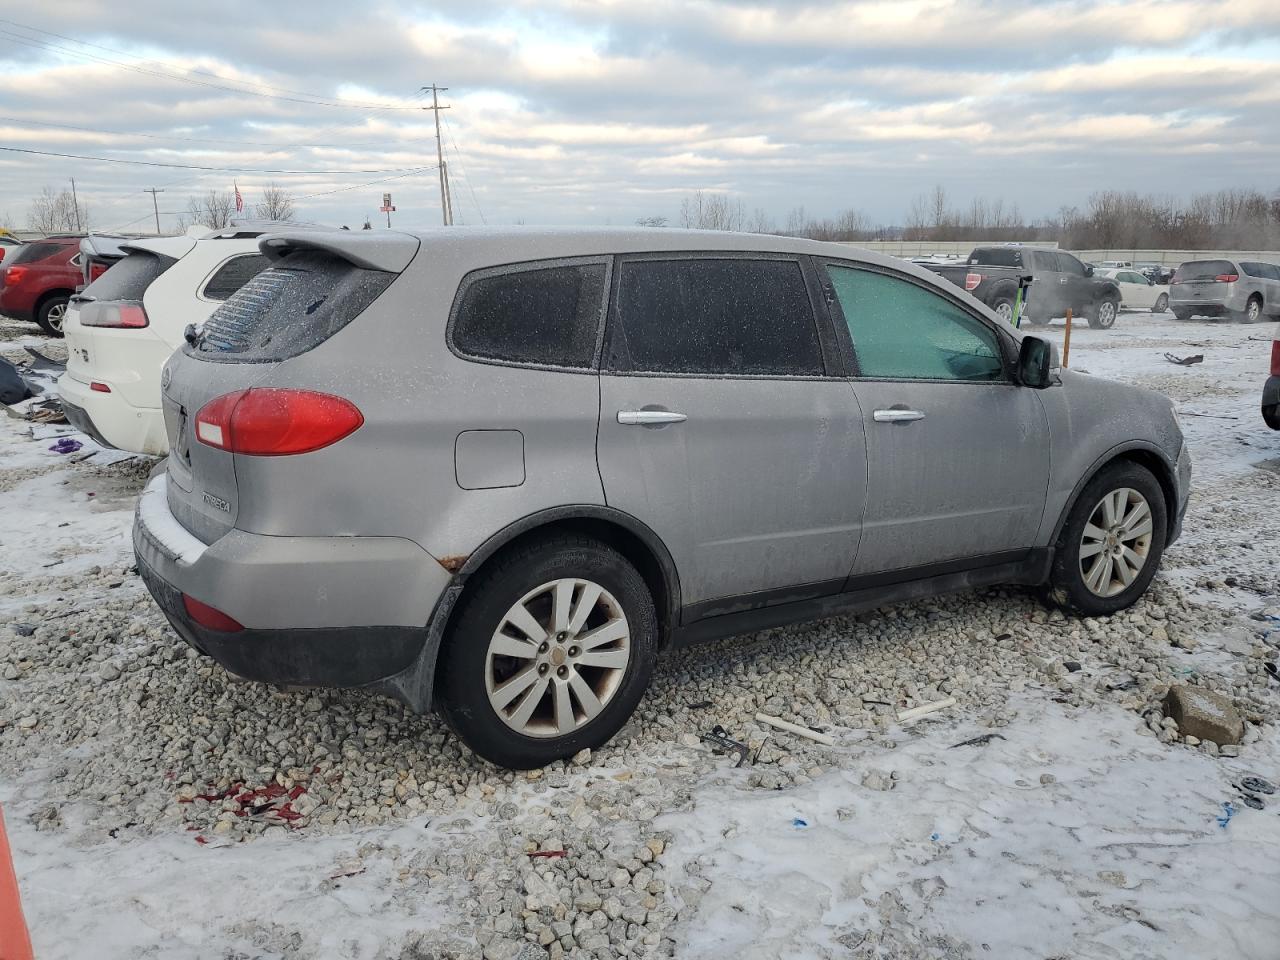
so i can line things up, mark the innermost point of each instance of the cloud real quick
(601, 110)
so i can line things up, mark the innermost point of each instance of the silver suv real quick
(1244, 290)
(501, 470)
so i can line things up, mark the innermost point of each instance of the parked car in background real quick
(1138, 292)
(8, 243)
(1114, 265)
(1156, 272)
(39, 279)
(1059, 282)
(508, 467)
(125, 324)
(1243, 290)
(1271, 389)
(97, 253)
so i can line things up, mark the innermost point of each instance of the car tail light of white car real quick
(116, 314)
(272, 422)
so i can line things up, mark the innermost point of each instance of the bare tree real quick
(53, 212)
(711, 211)
(796, 222)
(214, 210)
(760, 222)
(651, 222)
(276, 203)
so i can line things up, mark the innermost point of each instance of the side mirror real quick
(1037, 359)
(1088, 271)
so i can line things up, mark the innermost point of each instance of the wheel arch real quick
(49, 295)
(1144, 454)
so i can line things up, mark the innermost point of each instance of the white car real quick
(1138, 292)
(123, 327)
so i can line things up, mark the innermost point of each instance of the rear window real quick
(129, 278)
(1203, 270)
(233, 275)
(996, 257)
(548, 316)
(32, 252)
(289, 308)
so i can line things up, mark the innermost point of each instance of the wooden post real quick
(1066, 343)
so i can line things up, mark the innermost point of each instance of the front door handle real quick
(649, 418)
(897, 416)
(1062, 280)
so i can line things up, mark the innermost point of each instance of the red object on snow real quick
(15, 942)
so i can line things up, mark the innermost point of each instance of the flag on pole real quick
(239, 199)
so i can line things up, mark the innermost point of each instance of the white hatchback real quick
(123, 327)
(1138, 292)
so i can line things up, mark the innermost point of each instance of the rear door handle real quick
(649, 418)
(897, 416)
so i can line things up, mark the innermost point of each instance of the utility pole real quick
(155, 205)
(435, 108)
(448, 193)
(75, 203)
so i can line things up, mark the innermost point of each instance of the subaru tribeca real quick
(499, 471)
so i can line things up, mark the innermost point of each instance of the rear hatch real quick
(106, 319)
(316, 285)
(1208, 280)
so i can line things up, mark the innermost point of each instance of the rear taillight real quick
(971, 281)
(97, 386)
(1226, 278)
(1275, 358)
(13, 276)
(119, 315)
(273, 422)
(96, 270)
(210, 617)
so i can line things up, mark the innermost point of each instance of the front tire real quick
(1112, 542)
(1162, 304)
(1103, 316)
(1252, 311)
(51, 315)
(550, 653)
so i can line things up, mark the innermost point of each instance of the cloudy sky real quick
(602, 111)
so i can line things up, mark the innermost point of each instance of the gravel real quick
(109, 722)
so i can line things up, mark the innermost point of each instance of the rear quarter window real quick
(233, 275)
(534, 315)
(34, 252)
(289, 308)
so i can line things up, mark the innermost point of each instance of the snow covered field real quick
(137, 780)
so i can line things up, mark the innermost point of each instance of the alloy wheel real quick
(1252, 311)
(1004, 311)
(1106, 314)
(1116, 542)
(557, 658)
(56, 315)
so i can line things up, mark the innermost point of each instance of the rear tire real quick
(51, 314)
(1003, 308)
(1252, 311)
(1162, 304)
(1132, 527)
(1183, 315)
(505, 642)
(1103, 316)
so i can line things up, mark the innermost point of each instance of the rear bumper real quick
(1217, 306)
(112, 420)
(318, 611)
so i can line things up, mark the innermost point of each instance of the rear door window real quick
(128, 278)
(718, 317)
(233, 275)
(532, 314)
(289, 308)
(36, 251)
(902, 331)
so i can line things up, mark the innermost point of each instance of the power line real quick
(401, 176)
(153, 136)
(192, 166)
(315, 100)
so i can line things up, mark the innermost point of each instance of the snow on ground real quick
(1073, 832)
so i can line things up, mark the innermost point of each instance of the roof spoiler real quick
(388, 252)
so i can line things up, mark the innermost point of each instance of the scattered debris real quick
(795, 728)
(1228, 811)
(1185, 361)
(981, 741)
(549, 854)
(1210, 416)
(1257, 785)
(800, 823)
(718, 739)
(66, 445)
(915, 713)
(1204, 714)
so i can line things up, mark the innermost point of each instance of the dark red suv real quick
(39, 279)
